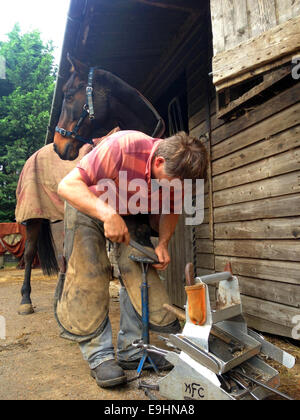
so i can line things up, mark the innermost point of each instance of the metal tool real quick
(255, 381)
(144, 263)
(219, 360)
(144, 251)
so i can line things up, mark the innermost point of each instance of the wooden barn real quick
(226, 70)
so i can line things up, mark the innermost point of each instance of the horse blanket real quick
(36, 192)
(12, 239)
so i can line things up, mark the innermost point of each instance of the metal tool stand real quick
(145, 339)
(220, 360)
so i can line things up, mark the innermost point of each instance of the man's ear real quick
(159, 160)
(78, 67)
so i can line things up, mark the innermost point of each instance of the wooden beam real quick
(262, 16)
(269, 80)
(270, 208)
(285, 228)
(281, 163)
(271, 46)
(172, 58)
(274, 312)
(280, 102)
(266, 326)
(284, 293)
(282, 250)
(276, 64)
(266, 188)
(180, 5)
(205, 261)
(203, 231)
(205, 246)
(267, 128)
(281, 271)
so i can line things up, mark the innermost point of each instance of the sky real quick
(48, 16)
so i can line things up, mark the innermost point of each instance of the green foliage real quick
(25, 104)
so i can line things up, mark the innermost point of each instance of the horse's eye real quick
(68, 97)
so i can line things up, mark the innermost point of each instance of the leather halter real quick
(88, 110)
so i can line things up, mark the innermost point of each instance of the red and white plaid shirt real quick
(126, 151)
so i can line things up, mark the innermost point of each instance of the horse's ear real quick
(77, 66)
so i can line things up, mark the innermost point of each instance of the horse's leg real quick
(32, 233)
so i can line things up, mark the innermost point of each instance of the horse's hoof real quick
(26, 309)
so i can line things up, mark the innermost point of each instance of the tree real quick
(25, 104)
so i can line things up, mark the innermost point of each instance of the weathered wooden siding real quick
(187, 56)
(255, 162)
(252, 37)
(252, 200)
(236, 21)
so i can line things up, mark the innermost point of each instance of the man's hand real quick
(167, 225)
(115, 229)
(163, 256)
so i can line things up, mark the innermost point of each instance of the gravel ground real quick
(36, 364)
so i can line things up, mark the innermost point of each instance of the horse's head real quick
(95, 102)
(77, 123)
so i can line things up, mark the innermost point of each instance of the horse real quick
(39, 205)
(110, 103)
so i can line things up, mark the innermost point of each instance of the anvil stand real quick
(144, 262)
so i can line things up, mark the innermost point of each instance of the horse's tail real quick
(46, 250)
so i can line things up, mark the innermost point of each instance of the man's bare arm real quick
(167, 226)
(73, 189)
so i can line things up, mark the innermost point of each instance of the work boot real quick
(160, 362)
(109, 374)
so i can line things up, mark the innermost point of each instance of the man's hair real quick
(185, 156)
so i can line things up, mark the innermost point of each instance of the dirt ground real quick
(36, 364)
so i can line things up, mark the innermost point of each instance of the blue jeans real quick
(101, 349)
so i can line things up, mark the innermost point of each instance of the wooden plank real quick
(284, 10)
(240, 21)
(172, 60)
(286, 228)
(228, 23)
(216, 8)
(285, 250)
(200, 130)
(284, 293)
(266, 168)
(284, 272)
(209, 173)
(180, 5)
(273, 312)
(280, 102)
(272, 45)
(273, 187)
(262, 16)
(205, 246)
(295, 8)
(195, 81)
(250, 74)
(180, 251)
(267, 128)
(196, 63)
(286, 206)
(269, 80)
(266, 326)
(202, 231)
(198, 118)
(195, 106)
(205, 261)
